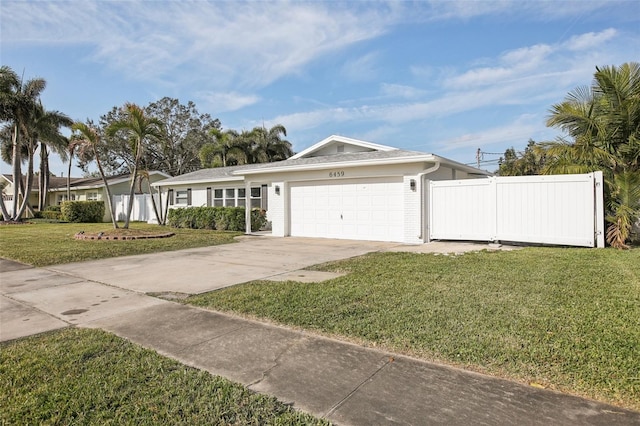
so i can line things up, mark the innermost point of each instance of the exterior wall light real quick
(277, 190)
(412, 184)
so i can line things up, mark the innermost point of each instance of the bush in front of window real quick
(82, 211)
(218, 218)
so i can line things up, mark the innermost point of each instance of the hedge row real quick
(218, 218)
(82, 211)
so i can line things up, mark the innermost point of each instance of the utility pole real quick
(478, 156)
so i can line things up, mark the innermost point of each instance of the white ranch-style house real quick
(338, 188)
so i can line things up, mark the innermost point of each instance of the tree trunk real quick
(27, 192)
(42, 179)
(131, 195)
(69, 176)
(17, 174)
(153, 203)
(109, 196)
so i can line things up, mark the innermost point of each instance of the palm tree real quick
(603, 124)
(88, 139)
(268, 144)
(139, 128)
(17, 103)
(225, 150)
(74, 142)
(45, 130)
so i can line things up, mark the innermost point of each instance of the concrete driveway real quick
(199, 270)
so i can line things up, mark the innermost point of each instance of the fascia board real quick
(197, 181)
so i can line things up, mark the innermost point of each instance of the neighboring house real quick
(83, 189)
(7, 190)
(338, 188)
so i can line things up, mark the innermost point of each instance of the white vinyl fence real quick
(551, 209)
(142, 208)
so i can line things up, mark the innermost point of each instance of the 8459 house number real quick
(336, 174)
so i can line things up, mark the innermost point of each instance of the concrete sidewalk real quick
(342, 382)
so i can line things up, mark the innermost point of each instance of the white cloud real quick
(521, 129)
(590, 40)
(247, 43)
(400, 91)
(363, 68)
(227, 101)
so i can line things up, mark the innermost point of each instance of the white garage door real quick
(357, 209)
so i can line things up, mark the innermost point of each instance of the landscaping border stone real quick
(81, 236)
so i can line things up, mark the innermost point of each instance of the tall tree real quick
(139, 128)
(87, 140)
(224, 150)
(268, 145)
(602, 123)
(18, 101)
(184, 133)
(530, 162)
(45, 131)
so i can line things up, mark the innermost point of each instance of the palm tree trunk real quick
(109, 196)
(131, 195)
(69, 178)
(153, 202)
(27, 192)
(42, 184)
(17, 174)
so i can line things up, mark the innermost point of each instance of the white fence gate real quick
(551, 209)
(142, 208)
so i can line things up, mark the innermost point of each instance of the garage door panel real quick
(366, 210)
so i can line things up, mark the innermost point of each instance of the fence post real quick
(599, 208)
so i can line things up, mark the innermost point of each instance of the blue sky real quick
(444, 77)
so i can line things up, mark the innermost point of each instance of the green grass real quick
(42, 244)
(77, 376)
(567, 319)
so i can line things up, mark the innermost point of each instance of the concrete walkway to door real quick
(339, 381)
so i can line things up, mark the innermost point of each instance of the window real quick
(92, 196)
(218, 201)
(63, 197)
(230, 197)
(256, 197)
(242, 195)
(237, 197)
(182, 197)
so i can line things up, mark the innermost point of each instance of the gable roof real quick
(340, 140)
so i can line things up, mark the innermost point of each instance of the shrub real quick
(218, 218)
(50, 214)
(82, 211)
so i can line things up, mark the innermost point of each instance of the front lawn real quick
(78, 376)
(42, 244)
(567, 319)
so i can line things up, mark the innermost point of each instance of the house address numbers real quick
(336, 174)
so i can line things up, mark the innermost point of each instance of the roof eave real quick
(352, 163)
(197, 181)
